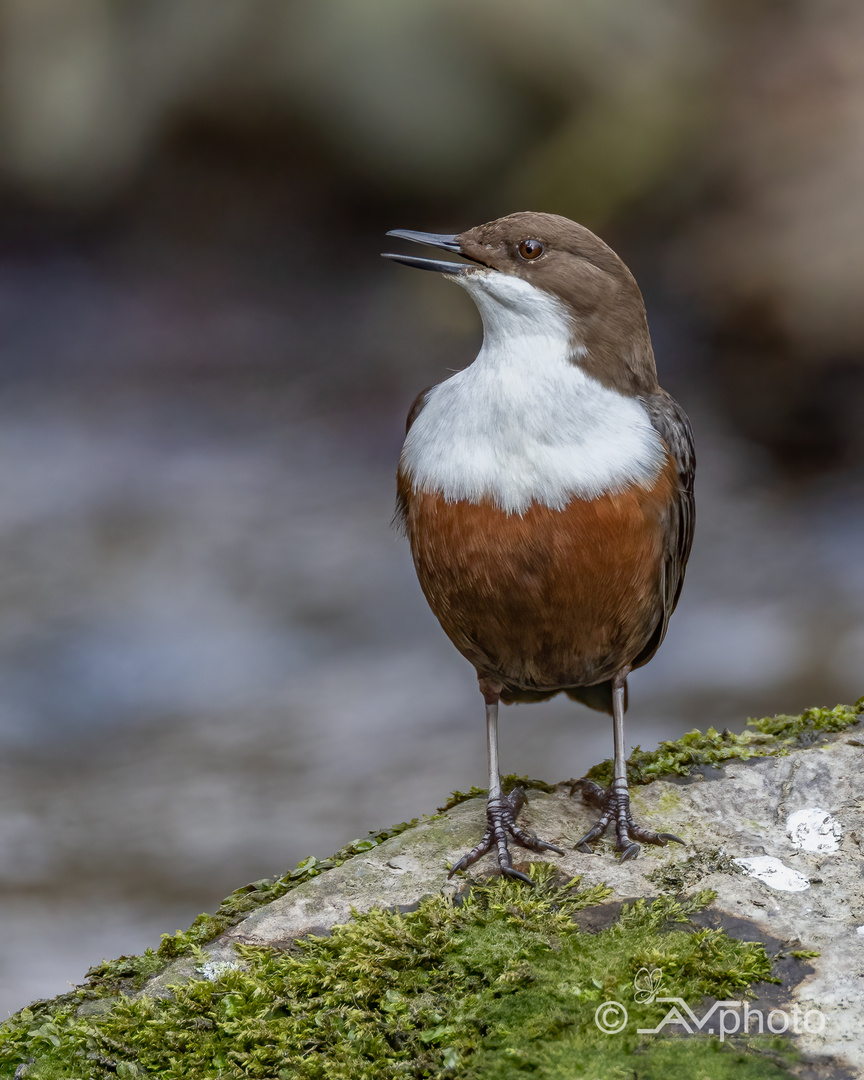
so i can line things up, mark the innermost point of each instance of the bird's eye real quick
(530, 249)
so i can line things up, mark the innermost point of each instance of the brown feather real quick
(548, 600)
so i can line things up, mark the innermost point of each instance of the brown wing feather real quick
(671, 423)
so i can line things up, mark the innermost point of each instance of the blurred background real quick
(214, 657)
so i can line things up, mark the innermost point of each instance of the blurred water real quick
(215, 659)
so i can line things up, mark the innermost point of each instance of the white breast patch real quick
(524, 423)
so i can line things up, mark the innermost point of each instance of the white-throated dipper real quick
(547, 492)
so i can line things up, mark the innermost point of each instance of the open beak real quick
(439, 240)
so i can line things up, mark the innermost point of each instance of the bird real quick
(546, 491)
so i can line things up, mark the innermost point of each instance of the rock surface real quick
(736, 823)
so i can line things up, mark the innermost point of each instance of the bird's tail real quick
(595, 697)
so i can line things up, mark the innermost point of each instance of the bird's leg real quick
(501, 810)
(614, 804)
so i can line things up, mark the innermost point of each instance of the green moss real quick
(669, 801)
(502, 984)
(507, 783)
(681, 874)
(768, 736)
(129, 972)
(58, 1023)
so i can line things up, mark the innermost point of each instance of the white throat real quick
(524, 423)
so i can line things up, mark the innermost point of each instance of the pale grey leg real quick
(615, 803)
(501, 809)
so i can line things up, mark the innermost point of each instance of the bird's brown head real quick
(560, 259)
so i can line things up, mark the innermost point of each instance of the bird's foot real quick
(501, 814)
(614, 805)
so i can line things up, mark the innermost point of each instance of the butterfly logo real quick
(647, 985)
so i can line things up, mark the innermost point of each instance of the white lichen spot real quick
(859, 930)
(211, 970)
(814, 829)
(773, 872)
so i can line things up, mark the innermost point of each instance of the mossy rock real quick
(369, 965)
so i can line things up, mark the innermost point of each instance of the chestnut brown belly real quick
(549, 599)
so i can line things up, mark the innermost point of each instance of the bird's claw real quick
(615, 806)
(501, 813)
